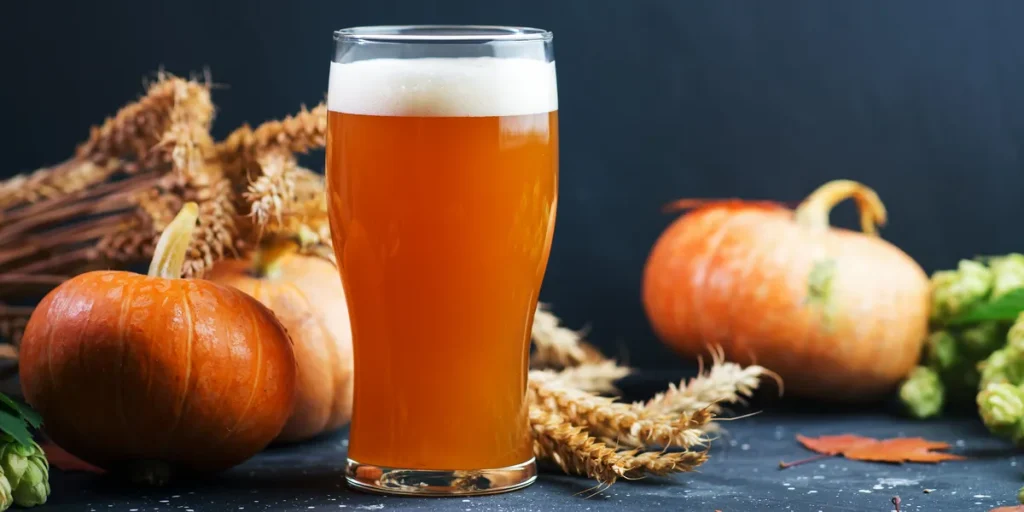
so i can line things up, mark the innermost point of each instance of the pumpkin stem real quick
(266, 263)
(813, 212)
(171, 249)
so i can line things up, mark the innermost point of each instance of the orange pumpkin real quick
(836, 313)
(305, 293)
(155, 374)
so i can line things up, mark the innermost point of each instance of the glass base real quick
(428, 482)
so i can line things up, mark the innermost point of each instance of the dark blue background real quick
(659, 99)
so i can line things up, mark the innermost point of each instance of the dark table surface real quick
(742, 475)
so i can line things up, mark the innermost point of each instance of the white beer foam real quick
(448, 87)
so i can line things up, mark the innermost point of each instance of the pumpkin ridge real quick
(49, 345)
(259, 367)
(700, 288)
(122, 320)
(333, 353)
(186, 385)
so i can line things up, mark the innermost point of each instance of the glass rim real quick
(440, 33)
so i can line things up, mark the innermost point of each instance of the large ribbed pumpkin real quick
(154, 375)
(836, 313)
(306, 294)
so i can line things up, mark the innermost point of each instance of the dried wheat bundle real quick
(99, 207)
(627, 425)
(12, 321)
(301, 133)
(575, 451)
(107, 205)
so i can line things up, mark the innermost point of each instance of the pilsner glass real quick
(442, 171)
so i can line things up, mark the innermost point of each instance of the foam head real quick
(443, 87)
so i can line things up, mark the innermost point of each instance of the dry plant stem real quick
(557, 440)
(300, 133)
(556, 346)
(597, 378)
(723, 383)
(12, 322)
(606, 418)
(272, 194)
(109, 191)
(140, 126)
(53, 182)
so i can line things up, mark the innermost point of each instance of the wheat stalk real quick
(723, 383)
(575, 451)
(626, 424)
(556, 346)
(300, 133)
(597, 377)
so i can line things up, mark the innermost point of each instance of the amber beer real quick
(443, 179)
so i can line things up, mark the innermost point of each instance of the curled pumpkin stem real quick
(172, 248)
(266, 262)
(813, 212)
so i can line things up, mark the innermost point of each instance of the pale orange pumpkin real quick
(836, 313)
(154, 374)
(306, 294)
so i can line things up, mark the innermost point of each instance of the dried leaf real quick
(896, 450)
(64, 461)
(1011, 508)
(833, 445)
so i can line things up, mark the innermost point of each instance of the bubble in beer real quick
(449, 87)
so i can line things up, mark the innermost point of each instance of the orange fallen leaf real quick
(833, 445)
(897, 450)
(902, 449)
(64, 461)
(1012, 508)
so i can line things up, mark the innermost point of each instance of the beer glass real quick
(442, 172)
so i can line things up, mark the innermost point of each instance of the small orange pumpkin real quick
(836, 313)
(306, 294)
(156, 374)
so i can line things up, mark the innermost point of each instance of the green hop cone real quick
(941, 350)
(1004, 365)
(1020, 495)
(1007, 274)
(1001, 406)
(953, 291)
(6, 499)
(922, 393)
(26, 470)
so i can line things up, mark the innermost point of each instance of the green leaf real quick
(1006, 307)
(15, 426)
(31, 416)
